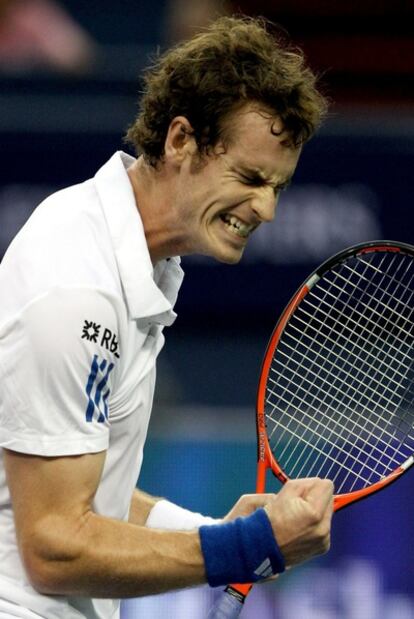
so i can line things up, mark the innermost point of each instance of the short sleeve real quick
(59, 362)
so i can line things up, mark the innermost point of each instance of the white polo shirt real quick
(81, 316)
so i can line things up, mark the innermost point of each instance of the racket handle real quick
(230, 603)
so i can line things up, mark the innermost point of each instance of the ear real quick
(180, 140)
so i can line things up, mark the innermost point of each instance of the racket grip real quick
(230, 603)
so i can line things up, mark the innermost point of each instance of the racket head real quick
(335, 396)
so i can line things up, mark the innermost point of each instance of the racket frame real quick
(265, 458)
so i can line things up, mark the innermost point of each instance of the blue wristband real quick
(241, 551)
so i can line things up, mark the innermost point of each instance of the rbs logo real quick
(92, 332)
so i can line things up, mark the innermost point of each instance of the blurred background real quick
(69, 86)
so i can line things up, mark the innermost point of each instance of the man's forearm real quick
(114, 559)
(141, 505)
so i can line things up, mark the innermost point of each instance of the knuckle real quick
(328, 484)
(291, 483)
(248, 498)
(314, 516)
(324, 528)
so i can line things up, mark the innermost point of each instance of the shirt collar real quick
(150, 292)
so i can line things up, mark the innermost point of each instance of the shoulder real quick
(70, 215)
(64, 244)
(60, 359)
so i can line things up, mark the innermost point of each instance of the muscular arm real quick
(68, 549)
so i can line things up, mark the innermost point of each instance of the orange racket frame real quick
(265, 458)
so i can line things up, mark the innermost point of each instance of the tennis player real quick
(87, 287)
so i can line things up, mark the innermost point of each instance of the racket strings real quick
(345, 433)
(334, 394)
(390, 372)
(380, 315)
(371, 358)
(370, 321)
(377, 445)
(328, 456)
(387, 375)
(408, 289)
(321, 428)
(322, 419)
(340, 384)
(353, 363)
(322, 361)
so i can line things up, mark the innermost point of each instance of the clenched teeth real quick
(237, 226)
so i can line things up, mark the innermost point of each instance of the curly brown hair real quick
(234, 61)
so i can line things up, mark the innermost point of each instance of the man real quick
(91, 281)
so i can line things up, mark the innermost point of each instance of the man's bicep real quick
(51, 493)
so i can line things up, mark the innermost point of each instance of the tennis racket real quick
(336, 392)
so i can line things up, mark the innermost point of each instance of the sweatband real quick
(241, 551)
(166, 515)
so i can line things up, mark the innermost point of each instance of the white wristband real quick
(166, 515)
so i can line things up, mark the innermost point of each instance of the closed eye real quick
(257, 181)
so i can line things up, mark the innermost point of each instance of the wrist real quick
(243, 551)
(167, 515)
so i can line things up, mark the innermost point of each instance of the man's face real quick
(224, 197)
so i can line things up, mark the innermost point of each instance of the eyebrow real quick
(256, 174)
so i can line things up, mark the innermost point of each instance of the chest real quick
(130, 402)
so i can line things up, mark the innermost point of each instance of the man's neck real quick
(154, 197)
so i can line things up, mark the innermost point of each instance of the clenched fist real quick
(301, 515)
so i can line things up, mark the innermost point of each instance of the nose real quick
(264, 204)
